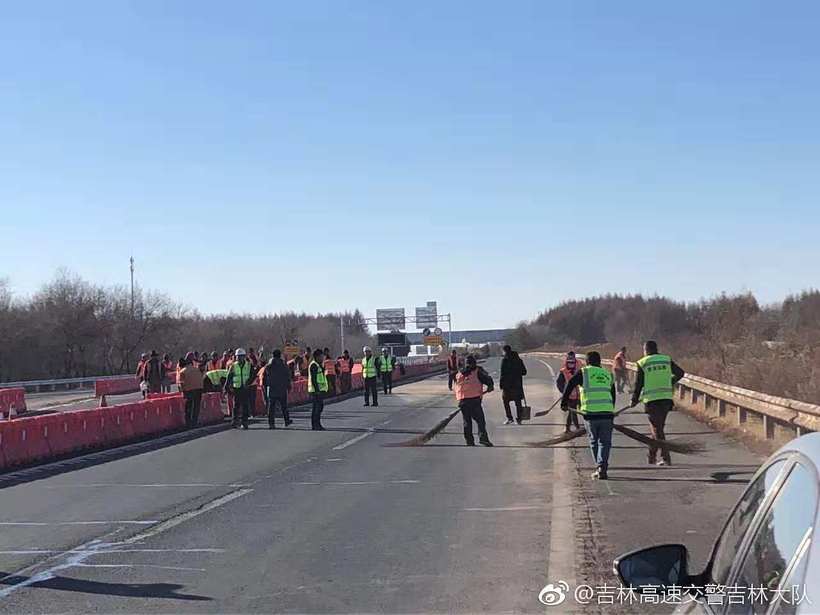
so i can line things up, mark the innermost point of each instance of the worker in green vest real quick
(215, 380)
(386, 364)
(596, 387)
(655, 387)
(370, 377)
(317, 387)
(239, 381)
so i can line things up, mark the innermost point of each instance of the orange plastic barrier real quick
(116, 386)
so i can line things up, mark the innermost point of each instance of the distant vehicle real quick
(767, 542)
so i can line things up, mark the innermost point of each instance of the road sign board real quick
(427, 317)
(437, 331)
(390, 319)
(291, 351)
(427, 331)
(433, 340)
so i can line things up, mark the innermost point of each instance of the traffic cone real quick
(103, 402)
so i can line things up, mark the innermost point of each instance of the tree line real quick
(73, 328)
(731, 338)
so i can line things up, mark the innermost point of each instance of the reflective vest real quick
(452, 364)
(213, 364)
(330, 367)
(469, 386)
(321, 379)
(368, 367)
(596, 390)
(657, 377)
(567, 375)
(344, 365)
(216, 376)
(386, 364)
(241, 374)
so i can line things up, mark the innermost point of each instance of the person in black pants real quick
(317, 386)
(239, 379)
(470, 383)
(370, 377)
(385, 366)
(276, 383)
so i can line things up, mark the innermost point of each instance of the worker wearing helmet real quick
(239, 381)
(370, 377)
(385, 365)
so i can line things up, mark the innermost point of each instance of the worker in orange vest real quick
(331, 371)
(213, 364)
(453, 364)
(470, 383)
(619, 367)
(345, 363)
(569, 368)
(169, 372)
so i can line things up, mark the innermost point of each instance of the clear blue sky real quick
(494, 156)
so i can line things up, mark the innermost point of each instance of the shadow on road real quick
(168, 591)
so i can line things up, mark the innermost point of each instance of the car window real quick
(735, 530)
(786, 525)
(796, 580)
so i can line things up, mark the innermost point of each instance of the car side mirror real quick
(656, 567)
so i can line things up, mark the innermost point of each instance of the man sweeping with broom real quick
(596, 387)
(470, 382)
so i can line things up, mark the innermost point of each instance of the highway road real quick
(300, 521)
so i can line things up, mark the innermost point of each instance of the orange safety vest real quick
(330, 367)
(452, 364)
(344, 365)
(468, 387)
(569, 374)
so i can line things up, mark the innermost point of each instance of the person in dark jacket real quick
(569, 368)
(276, 383)
(470, 383)
(513, 371)
(154, 373)
(658, 397)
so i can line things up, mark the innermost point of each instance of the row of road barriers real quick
(773, 419)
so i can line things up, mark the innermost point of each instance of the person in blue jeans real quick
(596, 387)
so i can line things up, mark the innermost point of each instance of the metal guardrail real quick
(58, 383)
(767, 416)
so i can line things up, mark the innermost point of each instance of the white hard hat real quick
(384, 349)
(240, 352)
(366, 348)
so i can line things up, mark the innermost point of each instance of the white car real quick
(764, 560)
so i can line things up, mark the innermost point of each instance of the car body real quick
(767, 542)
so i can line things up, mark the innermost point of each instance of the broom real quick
(684, 448)
(547, 411)
(429, 435)
(564, 437)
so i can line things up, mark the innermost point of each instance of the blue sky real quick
(494, 156)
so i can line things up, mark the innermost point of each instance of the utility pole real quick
(132, 287)
(342, 329)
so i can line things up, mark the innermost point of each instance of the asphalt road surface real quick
(300, 521)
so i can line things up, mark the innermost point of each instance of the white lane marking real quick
(51, 523)
(549, 367)
(504, 509)
(174, 521)
(335, 459)
(353, 441)
(361, 482)
(143, 485)
(156, 566)
(561, 559)
(113, 550)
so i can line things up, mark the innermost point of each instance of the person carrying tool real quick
(345, 363)
(470, 382)
(369, 377)
(453, 364)
(619, 367)
(513, 371)
(190, 385)
(141, 373)
(276, 382)
(331, 369)
(570, 367)
(239, 379)
(596, 388)
(385, 365)
(655, 387)
(317, 387)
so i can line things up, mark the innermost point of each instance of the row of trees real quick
(72, 328)
(731, 338)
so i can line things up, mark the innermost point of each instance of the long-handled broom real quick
(547, 411)
(429, 435)
(682, 447)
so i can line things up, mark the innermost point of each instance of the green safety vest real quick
(216, 376)
(321, 379)
(241, 374)
(368, 367)
(657, 377)
(596, 390)
(386, 364)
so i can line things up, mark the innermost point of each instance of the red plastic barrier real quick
(15, 397)
(163, 395)
(116, 386)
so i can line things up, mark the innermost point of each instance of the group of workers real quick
(241, 374)
(587, 390)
